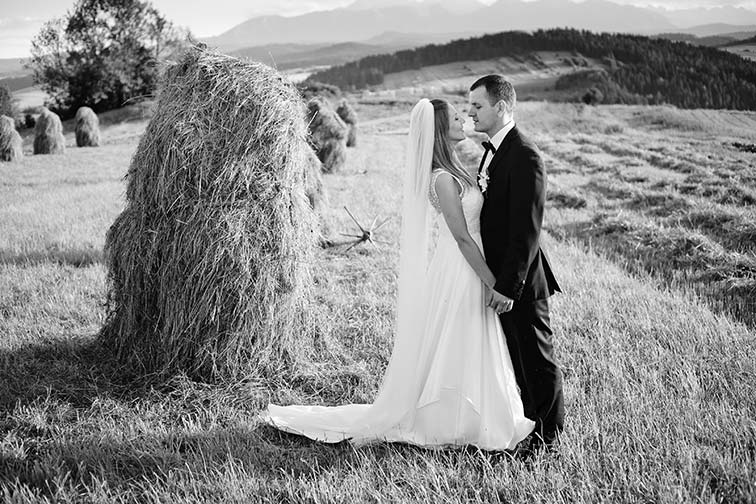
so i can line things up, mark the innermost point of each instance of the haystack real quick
(349, 116)
(87, 128)
(328, 135)
(48, 134)
(10, 140)
(316, 193)
(311, 89)
(209, 263)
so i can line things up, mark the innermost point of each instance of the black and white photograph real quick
(378, 251)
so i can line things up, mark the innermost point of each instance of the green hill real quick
(638, 69)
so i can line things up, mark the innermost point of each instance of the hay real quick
(10, 140)
(312, 89)
(87, 128)
(316, 193)
(209, 263)
(349, 116)
(48, 134)
(328, 135)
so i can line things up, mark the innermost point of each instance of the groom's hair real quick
(498, 88)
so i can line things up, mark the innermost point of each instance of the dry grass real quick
(10, 140)
(209, 263)
(349, 116)
(48, 134)
(674, 203)
(317, 194)
(328, 135)
(87, 128)
(660, 390)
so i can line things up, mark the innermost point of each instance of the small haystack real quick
(87, 128)
(328, 135)
(10, 140)
(209, 263)
(311, 89)
(48, 134)
(317, 195)
(349, 116)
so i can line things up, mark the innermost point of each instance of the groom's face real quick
(486, 117)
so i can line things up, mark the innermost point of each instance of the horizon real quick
(21, 22)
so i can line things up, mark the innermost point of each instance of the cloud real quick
(17, 34)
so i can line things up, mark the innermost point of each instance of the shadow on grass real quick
(65, 405)
(77, 257)
(171, 463)
(76, 371)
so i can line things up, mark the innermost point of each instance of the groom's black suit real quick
(511, 220)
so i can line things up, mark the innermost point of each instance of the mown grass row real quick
(680, 210)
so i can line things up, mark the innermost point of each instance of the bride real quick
(450, 379)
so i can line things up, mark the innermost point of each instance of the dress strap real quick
(432, 193)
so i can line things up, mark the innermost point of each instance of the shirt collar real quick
(499, 137)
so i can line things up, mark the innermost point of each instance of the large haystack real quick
(48, 134)
(349, 116)
(209, 263)
(328, 135)
(87, 128)
(316, 193)
(10, 140)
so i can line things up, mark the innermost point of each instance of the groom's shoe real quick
(546, 443)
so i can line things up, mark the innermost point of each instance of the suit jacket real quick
(511, 218)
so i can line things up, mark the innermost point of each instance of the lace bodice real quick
(471, 198)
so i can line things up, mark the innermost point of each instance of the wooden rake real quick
(368, 234)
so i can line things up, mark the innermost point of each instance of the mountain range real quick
(366, 19)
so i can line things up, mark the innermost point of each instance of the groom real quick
(513, 179)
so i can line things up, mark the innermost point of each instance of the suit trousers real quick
(530, 342)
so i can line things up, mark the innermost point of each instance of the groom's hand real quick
(499, 302)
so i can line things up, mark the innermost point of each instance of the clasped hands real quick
(499, 302)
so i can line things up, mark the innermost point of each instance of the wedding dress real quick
(450, 379)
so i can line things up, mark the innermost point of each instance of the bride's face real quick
(456, 124)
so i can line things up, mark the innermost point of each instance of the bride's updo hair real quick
(444, 157)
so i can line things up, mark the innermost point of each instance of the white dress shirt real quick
(496, 142)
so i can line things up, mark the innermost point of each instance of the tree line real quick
(641, 69)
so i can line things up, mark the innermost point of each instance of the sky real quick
(20, 20)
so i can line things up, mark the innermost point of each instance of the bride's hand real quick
(489, 295)
(499, 302)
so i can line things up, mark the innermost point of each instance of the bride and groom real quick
(472, 362)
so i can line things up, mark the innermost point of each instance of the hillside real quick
(710, 41)
(747, 51)
(12, 67)
(635, 69)
(288, 56)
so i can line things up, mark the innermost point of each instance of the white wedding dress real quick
(452, 383)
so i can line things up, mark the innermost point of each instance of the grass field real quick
(650, 227)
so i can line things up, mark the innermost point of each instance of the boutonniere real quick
(483, 179)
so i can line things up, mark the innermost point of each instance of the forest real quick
(636, 69)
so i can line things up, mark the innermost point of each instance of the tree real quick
(102, 53)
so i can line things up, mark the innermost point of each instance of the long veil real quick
(396, 397)
(394, 405)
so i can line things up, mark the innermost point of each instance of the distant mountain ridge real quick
(365, 19)
(351, 24)
(291, 56)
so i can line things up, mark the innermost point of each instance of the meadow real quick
(650, 226)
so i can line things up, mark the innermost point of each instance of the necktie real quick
(489, 147)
